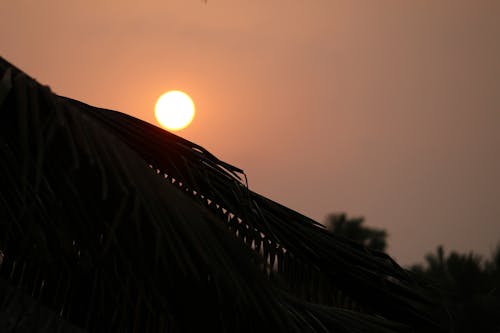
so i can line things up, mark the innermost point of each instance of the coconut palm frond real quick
(115, 225)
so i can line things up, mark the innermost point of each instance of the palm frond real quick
(116, 225)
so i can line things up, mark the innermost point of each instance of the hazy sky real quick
(384, 109)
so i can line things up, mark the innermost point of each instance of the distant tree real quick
(354, 229)
(470, 286)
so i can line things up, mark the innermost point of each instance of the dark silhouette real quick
(353, 229)
(110, 224)
(469, 286)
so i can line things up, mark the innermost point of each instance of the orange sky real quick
(389, 110)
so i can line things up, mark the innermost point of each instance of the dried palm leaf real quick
(110, 224)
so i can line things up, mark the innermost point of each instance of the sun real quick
(174, 110)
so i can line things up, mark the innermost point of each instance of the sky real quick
(384, 109)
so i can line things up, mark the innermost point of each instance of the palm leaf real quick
(114, 225)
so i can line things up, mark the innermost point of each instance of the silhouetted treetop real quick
(469, 286)
(354, 229)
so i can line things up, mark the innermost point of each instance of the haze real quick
(389, 111)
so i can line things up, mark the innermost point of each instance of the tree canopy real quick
(467, 284)
(469, 287)
(354, 229)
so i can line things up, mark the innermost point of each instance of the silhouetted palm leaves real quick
(110, 224)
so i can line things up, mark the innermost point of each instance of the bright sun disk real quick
(174, 110)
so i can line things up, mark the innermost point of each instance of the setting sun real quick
(174, 110)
